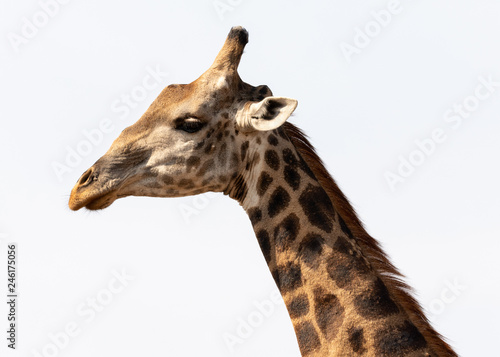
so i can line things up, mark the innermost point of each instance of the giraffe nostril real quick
(87, 177)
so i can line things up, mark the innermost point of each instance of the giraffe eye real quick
(190, 125)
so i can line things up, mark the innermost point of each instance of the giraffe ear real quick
(268, 114)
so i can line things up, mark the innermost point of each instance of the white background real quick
(197, 276)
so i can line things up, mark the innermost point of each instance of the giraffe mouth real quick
(101, 202)
(97, 198)
(93, 202)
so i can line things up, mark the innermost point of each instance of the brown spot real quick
(168, 180)
(255, 215)
(318, 208)
(244, 149)
(343, 246)
(311, 248)
(273, 140)
(279, 201)
(272, 159)
(399, 340)
(286, 232)
(290, 277)
(329, 313)
(263, 183)
(356, 339)
(192, 162)
(307, 337)
(344, 268)
(376, 303)
(299, 306)
(290, 158)
(186, 183)
(292, 177)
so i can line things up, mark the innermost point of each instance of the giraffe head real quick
(190, 139)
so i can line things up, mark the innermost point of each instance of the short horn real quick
(229, 56)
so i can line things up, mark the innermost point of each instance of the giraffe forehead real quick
(198, 99)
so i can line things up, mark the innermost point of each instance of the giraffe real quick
(221, 134)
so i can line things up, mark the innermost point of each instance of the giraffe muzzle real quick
(86, 194)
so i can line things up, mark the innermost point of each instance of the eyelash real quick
(190, 126)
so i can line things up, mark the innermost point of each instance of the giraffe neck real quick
(338, 304)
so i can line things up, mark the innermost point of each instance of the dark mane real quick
(391, 277)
